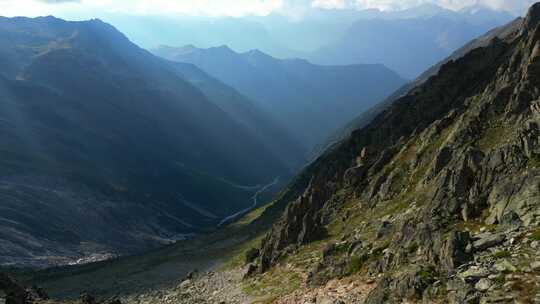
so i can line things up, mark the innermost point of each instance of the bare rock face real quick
(531, 20)
(301, 224)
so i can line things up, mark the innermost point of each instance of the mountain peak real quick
(224, 48)
(532, 19)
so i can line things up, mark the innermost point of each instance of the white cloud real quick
(235, 8)
(330, 4)
(515, 6)
(141, 7)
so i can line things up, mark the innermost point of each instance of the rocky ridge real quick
(438, 199)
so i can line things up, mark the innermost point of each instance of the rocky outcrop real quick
(301, 223)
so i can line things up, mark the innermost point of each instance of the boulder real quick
(383, 229)
(249, 270)
(251, 255)
(504, 266)
(487, 240)
(483, 284)
(474, 273)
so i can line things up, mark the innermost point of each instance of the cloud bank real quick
(514, 6)
(236, 8)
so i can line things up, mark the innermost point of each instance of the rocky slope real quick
(438, 198)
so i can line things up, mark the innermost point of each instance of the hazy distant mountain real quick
(410, 41)
(310, 100)
(366, 117)
(105, 146)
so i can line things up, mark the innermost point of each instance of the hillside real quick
(310, 101)
(437, 198)
(107, 149)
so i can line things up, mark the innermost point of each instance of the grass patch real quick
(493, 136)
(250, 217)
(271, 285)
(501, 254)
(535, 236)
(238, 256)
(427, 274)
(500, 280)
(355, 264)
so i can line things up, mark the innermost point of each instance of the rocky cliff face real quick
(438, 199)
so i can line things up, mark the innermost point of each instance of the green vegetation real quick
(501, 254)
(534, 161)
(427, 274)
(356, 263)
(535, 236)
(500, 280)
(273, 284)
(494, 135)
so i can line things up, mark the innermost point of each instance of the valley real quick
(195, 175)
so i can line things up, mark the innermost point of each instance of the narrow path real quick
(253, 206)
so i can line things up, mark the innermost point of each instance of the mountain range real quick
(434, 200)
(433, 197)
(421, 36)
(310, 101)
(411, 42)
(95, 129)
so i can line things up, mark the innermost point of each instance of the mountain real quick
(108, 149)
(366, 117)
(433, 201)
(311, 101)
(412, 40)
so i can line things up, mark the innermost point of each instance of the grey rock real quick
(474, 273)
(488, 240)
(249, 270)
(185, 284)
(511, 221)
(384, 228)
(251, 255)
(504, 266)
(483, 284)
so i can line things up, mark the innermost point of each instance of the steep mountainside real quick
(411, 45)
(311, 101)
(437, 199)
(107, 148)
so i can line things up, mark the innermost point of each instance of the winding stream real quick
(255, 203)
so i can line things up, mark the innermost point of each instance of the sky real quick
(235, 8)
